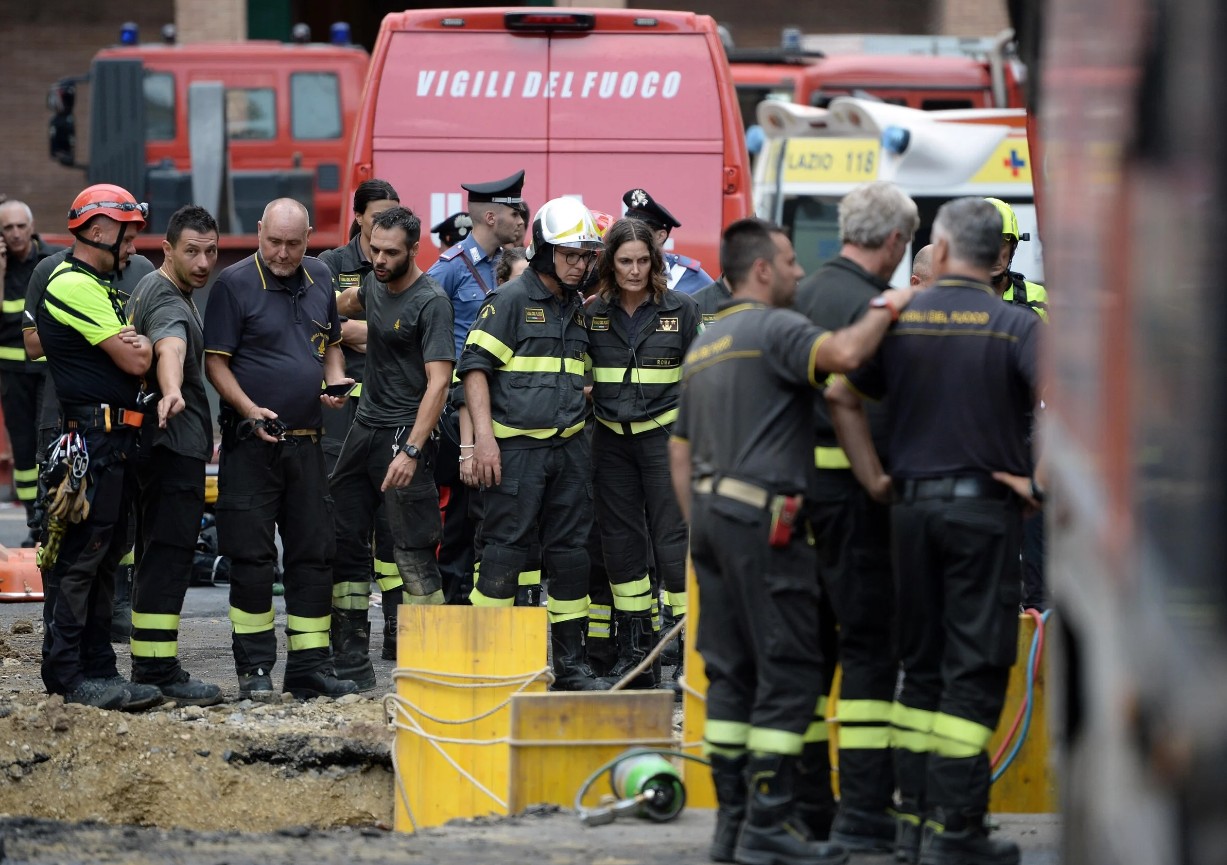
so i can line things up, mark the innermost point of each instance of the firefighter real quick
(709, 298)
(349, 265)
(852, 534)
(1013, 287)
(961, 374)
(684, 274)
(523, 374)
(96, 361)
(171, 472)
(638, 333)
(389, 454)
(272, 333)
(21, 249)
(738, 458)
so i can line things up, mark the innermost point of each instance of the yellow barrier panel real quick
(458, 668)
(1029, 785)
(559, 739)
(699, 790)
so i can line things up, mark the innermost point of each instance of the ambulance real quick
(812, 157)
(590, 103)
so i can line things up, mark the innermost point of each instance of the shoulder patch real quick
(600, 322)
(689, 263)
(669, 325)
(709, 317)
(534, 315)
(451, 253)
(349, 280)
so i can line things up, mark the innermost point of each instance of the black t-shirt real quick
(158, 309)
(275, 333)
(960, 367)
(79, 312)
(404, 332)
(747, 387)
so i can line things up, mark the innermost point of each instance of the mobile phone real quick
(339, 389)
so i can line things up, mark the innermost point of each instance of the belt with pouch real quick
(104, 417)
(968, 487)
(784, 510)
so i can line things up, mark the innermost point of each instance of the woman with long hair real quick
(638, 333)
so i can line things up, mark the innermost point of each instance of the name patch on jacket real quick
(600, 322)
(534, 315)
(668, 324)
(349, 280)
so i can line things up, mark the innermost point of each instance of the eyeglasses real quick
(574, 258)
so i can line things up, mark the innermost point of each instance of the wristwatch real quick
(412, 451)
(883, 302)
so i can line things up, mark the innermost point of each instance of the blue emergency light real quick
(129, 33)
(338, 33)
(895, 139)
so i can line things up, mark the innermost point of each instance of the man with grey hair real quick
(852, 533)
(961, 370)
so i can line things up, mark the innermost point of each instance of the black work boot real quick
(634, 637)
(114, 692)
(318, 683)
(672, 654)
(815, 799)
(907, 838)
(963, 840)
(728, 774)
(571, 670)
(351, 648)
(773, 833)
(256, 685)
(186, 691)
(864, 831)
(121, 609)
(389, 633)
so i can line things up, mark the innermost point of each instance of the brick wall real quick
(758, 25)
(40, 43)
(214, 21)
(971, 18)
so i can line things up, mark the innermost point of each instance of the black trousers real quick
(78, 644)
(457, 553)
(264, 487)
(852, 539)
(957, 590)
(20, 398)
(548, 483)
(758, 634)
(170, 504)
(412, 513)
(639, 518)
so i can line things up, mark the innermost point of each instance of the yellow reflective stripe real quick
(820, 710)
(522, 363)
(495, 346)
(818, 731)
(677, 602)
(530, 578)
(129, 558)
(908, 740)
(579, 605)
(154, 649)
(725, 732)
(477, 599)
(599, 611)
(608, 374)
(155, 621)
(728, 753)
(637, 604)
(387, 584)
(26, 493)
(308, 624)
(864, 738)
(388, 569)
(503, 431)
(638, 375)
(250, 623)
(768, 741)
(641, 586)
(352, 602)
(25, 475)
(957, 737)
(920, 720)
(598, 630)
(343, 590)
(11, 306)
(831, 458)
(642, 426)
(813, 360)
(357, 391)
(8, 353)
(864, 711)
(310, 640)
(434, 599)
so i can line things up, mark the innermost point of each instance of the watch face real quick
(412, 451)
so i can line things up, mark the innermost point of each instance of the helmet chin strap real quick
(116, 271)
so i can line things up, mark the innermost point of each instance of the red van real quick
(590, 103)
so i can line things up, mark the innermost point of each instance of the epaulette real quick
(451, 253)
(689, 263)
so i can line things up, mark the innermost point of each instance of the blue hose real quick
(1030, 698)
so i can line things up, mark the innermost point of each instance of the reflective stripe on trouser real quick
(256, 481)
(171, 504)
(20, 398)
(852, 539)
(758, 633)
(544, 491)
(386, 573)
(601, 648)
(959, 586)
(676, 602)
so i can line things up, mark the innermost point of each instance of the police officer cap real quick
(505, 191)
(641, 206)
(453, 229)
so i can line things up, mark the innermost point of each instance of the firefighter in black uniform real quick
(96, 361)
(852, 532)
(709, 298)
(389, 455)
(523, 373)
(638, 333)
(741, 445)
(272, 334)
(961, 372)
(349, 265)
(20, 376)
(171, 473)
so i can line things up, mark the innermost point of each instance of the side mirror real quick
(62, 132)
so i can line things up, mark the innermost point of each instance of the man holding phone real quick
(389, 453)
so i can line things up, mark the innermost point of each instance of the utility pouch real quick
(784, 511)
